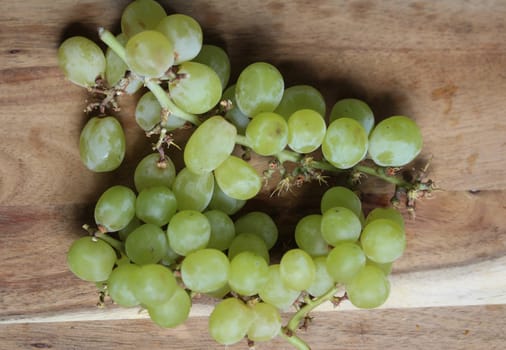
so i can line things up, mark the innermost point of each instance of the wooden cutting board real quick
(441, 63)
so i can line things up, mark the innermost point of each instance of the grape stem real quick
(289, 331)
(100, 234)
(110, 40)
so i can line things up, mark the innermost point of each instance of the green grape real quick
(385, 267)
(395, 142)
(120, 285)
(141, 15)
(266, 322)
(308, 236)
(128, 229)
(149, 53)
(170, 256)
(260, 224)
(345, 143)
(81, 60)
(383, 241)
(209, 145)
(152, 172)
(205, 270)
(339, 196)
(216, 58)
(184, 33)
(248, 273)
(248, 242)
(154, 285)
(344, 262)
(339, 225)
(267, 133)
(91, 259)
(354, 109)
(369, 288)
(198, 89)
(234, 114)
(174, 311)
(301, 97)
(156, 205)
(323, 281)
(115, 208)
(220, 201)
(230, 320)
(238, 179)
(276, 292)
(188, 231)
(259, 89)
(220, 293)
(193, 191)
(148, 114)
(116, 68)
(306, 130)
(147, 244)
(222, 229)
(102, 144)
(386, 213)
(297, 269)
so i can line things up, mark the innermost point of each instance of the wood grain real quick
(441, 63)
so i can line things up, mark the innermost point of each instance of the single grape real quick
(344, 262)
(222, 230)
(116, 69)
(148, 114)
(395, 142)
(205, 270)
(193, 191)
(225, 203)
(248, 242)
(248, 273)
(386, 213)
(174, 311)
(258, 223)
(141, 15)
(306, 130)
(229, 321)
(152, 172)
(120, 285)
(220, 293)
(354, 109)
(128, 229)
(297, 269)
(339, 225)
(154, 285)
(149, 53)
(209, 145)
(115, 208)
(267, 133)
(385, 267)
(323, 281)
(301, 97)
(147, 244)
(81, 60)
(369, 288)
(276, 292)
(234, 114)
(188, 231)
(308, 236)
(339, 196)
(184, 33)
(170, 256)
(383, 241)
(198, 89)
(345, 143)
(91, 259)
(259, 89)
(216, 58)
(238, 179)
(156, 205)
(102, 144)
(266, 322)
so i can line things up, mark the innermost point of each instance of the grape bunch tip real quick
(182, 232)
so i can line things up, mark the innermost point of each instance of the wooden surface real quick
(441, 63)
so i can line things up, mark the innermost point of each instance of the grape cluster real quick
(181, 232)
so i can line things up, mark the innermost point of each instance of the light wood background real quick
(443, 63)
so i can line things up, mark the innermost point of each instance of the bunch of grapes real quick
(181, 232)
